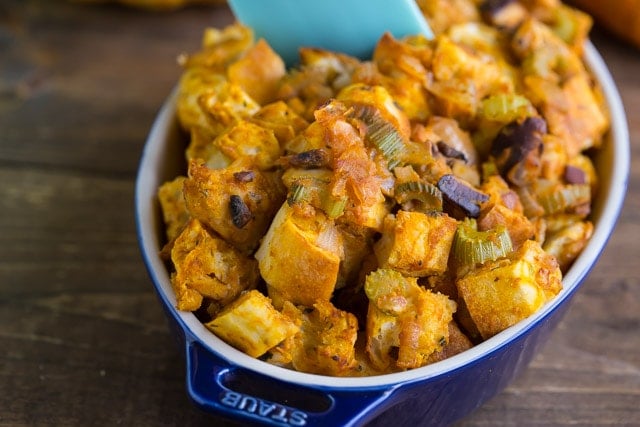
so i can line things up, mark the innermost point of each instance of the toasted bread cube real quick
(206, 266)
(201, 148)
(325, 344)
(258, 72)
(464, 76)
(358, 175)
(518, 226)
(299, 258)
(250, 141)
(579, 119)
(504, 208)
(220, 47)
(399, 68)
(252, 324)
(567, 243)
(547, 267)
(458, 342)
(405, 316)
(499, 294)
(415, 243)
(174, 210)
(378, 97)
(281, 119)
(237, 202)
(207, 100)
(383, 334)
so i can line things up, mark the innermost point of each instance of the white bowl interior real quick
(163, 159)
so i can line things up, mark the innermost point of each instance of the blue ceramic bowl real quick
(225, 381)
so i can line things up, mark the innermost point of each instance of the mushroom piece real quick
(311, 159)
(503, 13)
(240, 212)
(460, 200)
(574, 175)
(517, 149)
(450, 152)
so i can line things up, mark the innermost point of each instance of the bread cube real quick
(299, 257)
(174, 210)
(281, 119)
(325, 344)
(405, 316)
(206, 266)
(250, 141)
(500, 293)
(518, 226)
(458, 342)
(568, 242)
(579, 119)
(377, 96)
(207, 100)
(237, 202)
(462, 77)
(258, 72)
(202, 149)
(220, 47)
(252, 324)
(415, 243)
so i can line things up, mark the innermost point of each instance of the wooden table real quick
(83, 340)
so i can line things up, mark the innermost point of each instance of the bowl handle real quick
(220, 387)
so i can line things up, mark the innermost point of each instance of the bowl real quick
(225, 381)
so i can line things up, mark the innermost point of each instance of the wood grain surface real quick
(83, 340)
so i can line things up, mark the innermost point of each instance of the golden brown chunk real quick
(576, 116)
(500, 293)
(567, 243)
(206, 266)
(416, 244)
(251, 142)
(258, 72)
(403, 316)
(355, 175)
(442, 14)
(320, 76)
(299, 258)
(325, 343)
(252, 325)
(174, 210)
(400, 66)
(237, 208)
(504, 208)
(458, 342)
(281, 119)
(207, 100)
(220, 48)
(463, 77)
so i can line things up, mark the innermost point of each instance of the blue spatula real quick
(348, 26)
